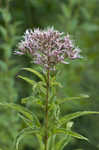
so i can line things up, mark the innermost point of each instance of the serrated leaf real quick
(28, 114)
(27, 80)
(71, 133)
(69, 117)
(23, 133)
(35, 72)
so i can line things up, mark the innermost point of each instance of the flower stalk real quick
(46, 110)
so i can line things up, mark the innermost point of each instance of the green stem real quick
(46, 112)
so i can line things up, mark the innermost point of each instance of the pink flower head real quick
(48, 47)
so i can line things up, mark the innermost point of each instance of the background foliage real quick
(77, 17)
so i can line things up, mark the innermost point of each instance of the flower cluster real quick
(48, 47)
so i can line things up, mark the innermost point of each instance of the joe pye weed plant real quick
(47, 48)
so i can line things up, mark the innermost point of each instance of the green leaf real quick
(19, 108)
(51, 142)
(63, 142)
(3, 65)
(40, 140)
(27, 80)
(53, 82)
(34, 101)
(69, 125)
(86, 13)
(56, 112)
(72, 98)
(35, 72)
(71, 133)
(56, 84)
(28, 114)
(23, 133)
(3, 31)
(27, 121)
(69, 117)
(26, 99)
(41, 88)
(6, 16)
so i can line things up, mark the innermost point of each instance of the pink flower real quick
(48, 47)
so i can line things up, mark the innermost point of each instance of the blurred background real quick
(80, 18)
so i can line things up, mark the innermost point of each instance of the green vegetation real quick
(80, 18)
